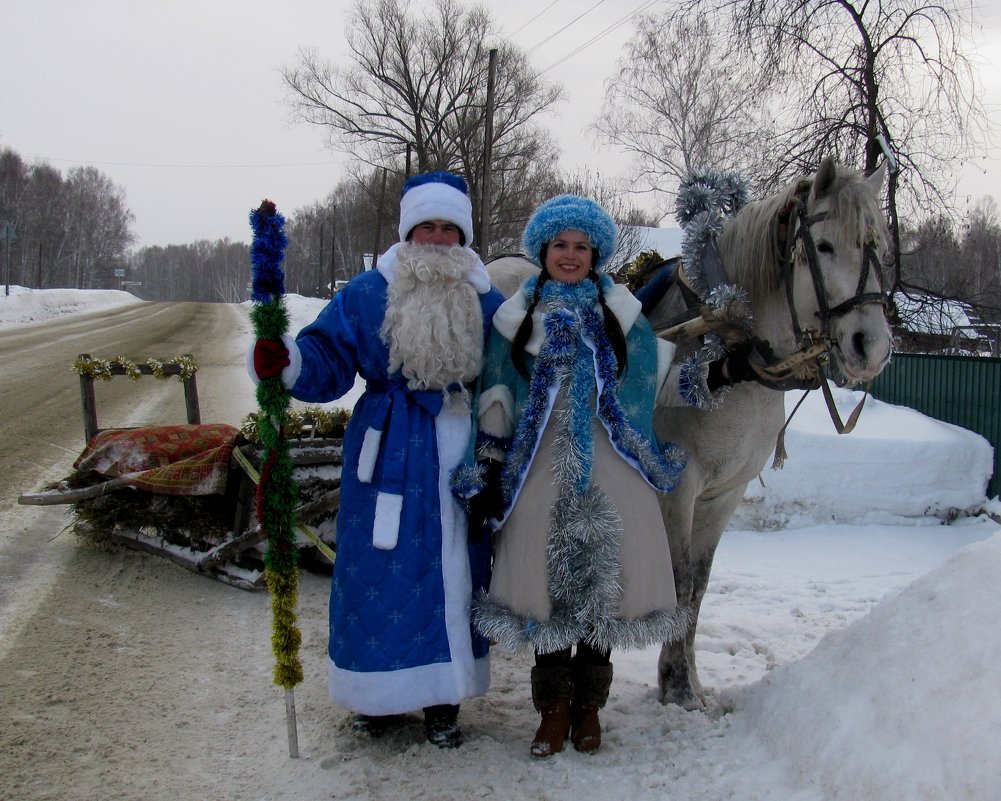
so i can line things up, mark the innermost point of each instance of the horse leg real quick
(677, 674)
(674, 670)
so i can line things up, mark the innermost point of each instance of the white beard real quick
(433, 324)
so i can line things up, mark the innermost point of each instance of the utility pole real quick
(319, 265)
(378, 219)
(488, 150)
(333, 252)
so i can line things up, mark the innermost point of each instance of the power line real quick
(187, 166)
(600, 35)
(571, 22)
(533, 19)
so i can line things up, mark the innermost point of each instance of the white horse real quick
(808, 259)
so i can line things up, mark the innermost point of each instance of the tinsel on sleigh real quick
(186, 492)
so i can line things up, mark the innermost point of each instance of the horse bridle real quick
(805, 366)
(870, 263)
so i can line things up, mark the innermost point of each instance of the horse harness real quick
(802, 369)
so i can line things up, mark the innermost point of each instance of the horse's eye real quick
(825, 247)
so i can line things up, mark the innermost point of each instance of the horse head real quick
(816, 249)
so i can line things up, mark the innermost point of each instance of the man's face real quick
(436, 232)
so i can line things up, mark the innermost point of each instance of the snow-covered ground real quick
(849, 635)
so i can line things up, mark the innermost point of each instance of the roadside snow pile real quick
(830, 477)
(25, 306)
(902, 704)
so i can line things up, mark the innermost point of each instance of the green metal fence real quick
(963, 390)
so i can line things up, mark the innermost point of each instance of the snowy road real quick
(847, 660)
(42, 425)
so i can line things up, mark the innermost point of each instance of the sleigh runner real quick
(187, 492)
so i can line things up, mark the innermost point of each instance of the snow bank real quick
(905, 703)
(896, 463)
(25, 306)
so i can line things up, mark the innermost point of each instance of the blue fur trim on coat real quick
(585, 531)
(466, 480)
(571, 212)
(572, 313)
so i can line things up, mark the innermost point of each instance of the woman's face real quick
(569, 257)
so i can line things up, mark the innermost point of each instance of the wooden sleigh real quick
(196, 505)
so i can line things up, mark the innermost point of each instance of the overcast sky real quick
(180, 102)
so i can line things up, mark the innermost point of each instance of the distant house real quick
(929, 324)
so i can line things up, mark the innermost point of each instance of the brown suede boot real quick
(591, 684)
(552, 692)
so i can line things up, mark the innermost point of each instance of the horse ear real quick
(874, 183)
(824, 180)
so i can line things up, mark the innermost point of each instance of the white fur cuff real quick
(290, 374)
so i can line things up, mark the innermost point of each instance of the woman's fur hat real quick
(436, 196)
(565, 212)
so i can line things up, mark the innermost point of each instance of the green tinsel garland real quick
(277, 493)
(323, 422)
(102, 369)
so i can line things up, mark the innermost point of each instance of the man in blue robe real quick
(414, 330)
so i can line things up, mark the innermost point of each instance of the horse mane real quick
(749, 243)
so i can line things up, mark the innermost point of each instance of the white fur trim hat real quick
(436, 196)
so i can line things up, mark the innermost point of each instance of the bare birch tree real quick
(682, 99)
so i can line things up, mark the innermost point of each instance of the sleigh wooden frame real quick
(232, 561)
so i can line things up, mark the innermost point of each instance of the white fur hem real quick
(386, 529)
(399, 691)
(368, 455)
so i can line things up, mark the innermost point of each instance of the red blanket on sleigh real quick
(168, 460)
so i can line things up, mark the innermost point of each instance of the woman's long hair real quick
(612, 328)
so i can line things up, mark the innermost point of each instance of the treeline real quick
(75, 232)
(959, 262)
(72, 231)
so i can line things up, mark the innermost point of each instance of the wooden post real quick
(89, 404)
(191, 398)
(488, 148)
(290, 722)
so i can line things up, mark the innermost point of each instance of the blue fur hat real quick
(565, 212)
(436, 196)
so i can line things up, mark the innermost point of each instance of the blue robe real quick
(404, 576)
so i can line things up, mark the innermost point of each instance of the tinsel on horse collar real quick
(703, 200)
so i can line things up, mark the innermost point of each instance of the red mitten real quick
(270, 358)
